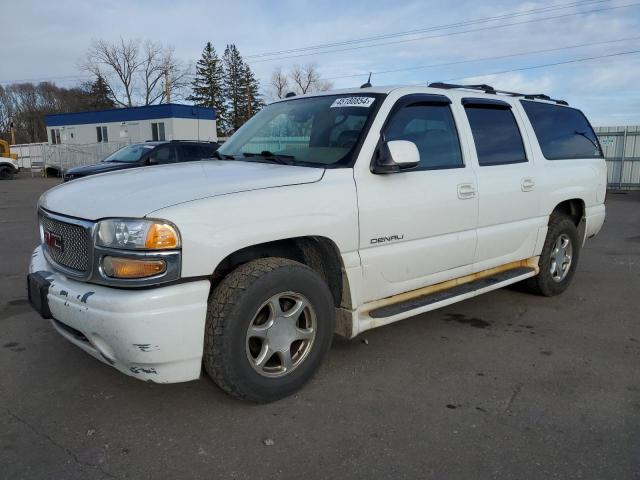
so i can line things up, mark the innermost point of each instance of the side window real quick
(495, 134)
(562, 132)
(191, 153)
(164, 154)
(432, 128)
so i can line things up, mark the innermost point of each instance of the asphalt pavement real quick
(507, 385)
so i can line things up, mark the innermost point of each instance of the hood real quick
(101, 167)
(140, 191)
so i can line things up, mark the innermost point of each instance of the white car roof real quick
(452, 93)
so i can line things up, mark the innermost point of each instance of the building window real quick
(55, 136)
(157, 131)
(102, 134)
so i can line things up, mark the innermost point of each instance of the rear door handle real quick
(527, 184)
(466, 191)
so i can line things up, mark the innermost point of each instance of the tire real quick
(551, 281)
(245, 302)
(6, 173)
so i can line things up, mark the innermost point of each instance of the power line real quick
(545, 65)
(429, 29)
(482, 59)
(426, 37)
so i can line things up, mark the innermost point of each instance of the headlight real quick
(137, 234)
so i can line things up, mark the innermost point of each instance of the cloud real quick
(46, 40)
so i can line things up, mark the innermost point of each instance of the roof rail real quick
(489, 89)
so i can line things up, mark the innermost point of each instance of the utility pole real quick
(12, 128)
(167, 85)
(248, 103)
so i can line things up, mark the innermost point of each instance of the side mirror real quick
(151, 161)
(394, 156)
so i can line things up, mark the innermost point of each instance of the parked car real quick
(332, 212)
(144, 154)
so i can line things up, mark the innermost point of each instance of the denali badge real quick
(53, 241)
(392, 238)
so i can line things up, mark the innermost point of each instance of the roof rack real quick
(489, 89)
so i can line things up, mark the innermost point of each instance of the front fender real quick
(213, 228)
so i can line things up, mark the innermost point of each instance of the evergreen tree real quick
(253, 100)
(208, 88)
(233, 87)
(100, 95)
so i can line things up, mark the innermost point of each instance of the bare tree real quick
(118, 63)
(279, 83)
(159, 65)
(136, 72)
(306, 79)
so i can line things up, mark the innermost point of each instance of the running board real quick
(429, 298)
(443, 295)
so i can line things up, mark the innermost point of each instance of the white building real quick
(168, 121)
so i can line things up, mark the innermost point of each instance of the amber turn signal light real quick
(161, 236)
(116, 267)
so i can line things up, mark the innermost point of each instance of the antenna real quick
(368, 84)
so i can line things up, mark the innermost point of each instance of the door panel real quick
(508, 219)
(418, 227)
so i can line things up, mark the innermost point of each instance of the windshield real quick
(316, 131)
(130, 153)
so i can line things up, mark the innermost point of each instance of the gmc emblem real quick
(53, 241)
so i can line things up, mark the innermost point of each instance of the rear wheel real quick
(559, 257)
(269, 324)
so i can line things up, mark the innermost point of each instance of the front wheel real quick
(6, 173)
(559, 257)
(269, 324)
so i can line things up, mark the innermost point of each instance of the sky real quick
(45, 41)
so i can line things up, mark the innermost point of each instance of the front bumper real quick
(155, 334)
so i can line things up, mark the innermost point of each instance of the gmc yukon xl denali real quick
(334, 212)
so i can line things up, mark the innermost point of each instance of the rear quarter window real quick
(563, 133)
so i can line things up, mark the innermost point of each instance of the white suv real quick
(334, 212)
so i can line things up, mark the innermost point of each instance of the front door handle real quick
(466, 191)
(527, 184)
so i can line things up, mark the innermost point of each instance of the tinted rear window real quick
(563, 132)
(496, 135)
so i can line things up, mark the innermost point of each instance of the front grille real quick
(76, 243)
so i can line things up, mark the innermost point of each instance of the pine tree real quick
(253, 100)
(100, 95)
(233, 87)
(208, 86)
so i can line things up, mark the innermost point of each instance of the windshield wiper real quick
(594, 143)
(272, 157)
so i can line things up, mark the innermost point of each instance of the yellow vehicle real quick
(8, 162)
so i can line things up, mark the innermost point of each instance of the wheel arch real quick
(574, 208)
(319, 253)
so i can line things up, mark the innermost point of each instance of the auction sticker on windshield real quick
(352, 102)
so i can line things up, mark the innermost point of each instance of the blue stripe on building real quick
(148, 112)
